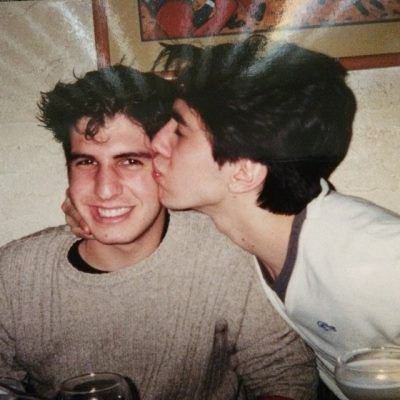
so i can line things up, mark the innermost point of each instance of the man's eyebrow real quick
(75, 156)
(134, 154)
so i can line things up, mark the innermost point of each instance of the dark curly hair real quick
(144, 97)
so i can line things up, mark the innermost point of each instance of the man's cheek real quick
(144, 184)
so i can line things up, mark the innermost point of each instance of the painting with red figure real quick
(178, 19)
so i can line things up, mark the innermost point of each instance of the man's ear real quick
(247, 175)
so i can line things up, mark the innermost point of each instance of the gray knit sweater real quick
(189, 322)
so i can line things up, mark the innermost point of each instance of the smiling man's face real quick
(111, 182)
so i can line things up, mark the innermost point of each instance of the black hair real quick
(144, 97)
(288, 108)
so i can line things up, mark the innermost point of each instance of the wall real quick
(42, 42)
(372, 166)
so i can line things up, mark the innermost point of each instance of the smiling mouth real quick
(113, 212)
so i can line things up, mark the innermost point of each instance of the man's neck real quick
(258, 231)
(114, 257)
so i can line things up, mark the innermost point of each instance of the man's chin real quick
(111, 238)
(111, 241)
(172, 204)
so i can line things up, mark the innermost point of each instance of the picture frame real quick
(368, 43)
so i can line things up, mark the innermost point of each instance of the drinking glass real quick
(370, 374)
(95, 386)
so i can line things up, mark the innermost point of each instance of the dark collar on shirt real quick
(281, 282)
(80, 264)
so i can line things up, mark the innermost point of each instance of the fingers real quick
(75, 221)
(81, 230)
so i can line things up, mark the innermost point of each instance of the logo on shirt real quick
(326, 327)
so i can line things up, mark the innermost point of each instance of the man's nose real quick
(108, 184)
(163, 140)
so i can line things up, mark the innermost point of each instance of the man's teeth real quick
(113, 212)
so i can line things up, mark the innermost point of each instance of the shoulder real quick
(218, 267)
(196, 228)
(192, 221)
(350, 231)
(38, 237)
(354, 214)
(46, 241)
(196, 235)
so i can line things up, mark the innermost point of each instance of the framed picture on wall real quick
(362, 33)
